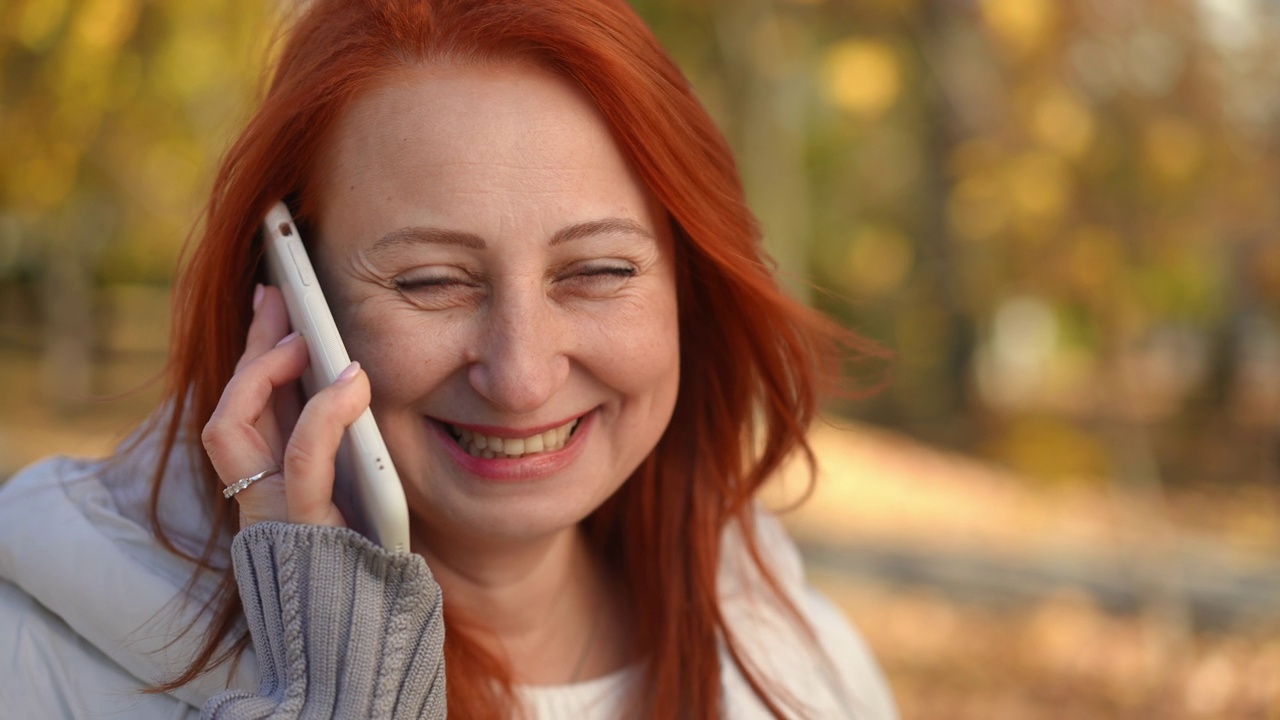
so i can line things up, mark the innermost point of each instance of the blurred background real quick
(1060, 217)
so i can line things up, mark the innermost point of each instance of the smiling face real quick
(507, 281)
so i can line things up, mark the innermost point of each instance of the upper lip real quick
(510, 432)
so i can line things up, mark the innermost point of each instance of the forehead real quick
(454, 125)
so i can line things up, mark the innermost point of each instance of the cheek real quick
(641, 364)
(402, 355)
(640, 354)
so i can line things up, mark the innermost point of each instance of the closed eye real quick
(627, 271)
(440, 291)
(597, 272)
(596, 279)
(410, 284)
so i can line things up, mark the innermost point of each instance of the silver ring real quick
(243, 483)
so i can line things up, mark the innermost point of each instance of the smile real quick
(491, 447)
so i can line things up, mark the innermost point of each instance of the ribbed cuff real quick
(342, 627)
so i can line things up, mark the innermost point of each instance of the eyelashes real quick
(590, 279)
(413, 284)
(601, 271)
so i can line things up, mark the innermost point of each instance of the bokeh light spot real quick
(1062, 122)
(1040, 185)
(103, 24)
(1022, 25)
(37, 22)
(878, 260)
(863, 77)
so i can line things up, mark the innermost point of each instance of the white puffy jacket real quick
(91, 604)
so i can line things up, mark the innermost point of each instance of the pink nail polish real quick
(258, 293)
(349, 372)
(287, 338)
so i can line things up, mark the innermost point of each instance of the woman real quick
(536, 247)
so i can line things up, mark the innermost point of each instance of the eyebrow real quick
(569, 233)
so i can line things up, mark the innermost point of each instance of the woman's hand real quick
(257, 425)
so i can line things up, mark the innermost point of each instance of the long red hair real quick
(752, 359)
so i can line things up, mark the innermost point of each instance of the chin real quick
(515, 513)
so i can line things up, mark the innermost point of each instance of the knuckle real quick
(346, 403)
(315, 438)
(214, 436)
(298, 458)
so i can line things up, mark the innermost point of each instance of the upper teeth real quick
(492, 446)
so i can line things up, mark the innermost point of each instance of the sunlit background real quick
(1059, 215)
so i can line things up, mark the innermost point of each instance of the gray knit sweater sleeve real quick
(342, 628)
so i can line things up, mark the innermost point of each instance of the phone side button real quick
(301, 262)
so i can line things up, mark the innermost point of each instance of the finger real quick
(313, 448)
(236, 444)
(270, 324)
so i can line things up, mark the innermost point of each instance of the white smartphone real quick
(366, 486)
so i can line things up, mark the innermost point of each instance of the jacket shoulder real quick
(831, 672)
(103, 580)
(51, 672)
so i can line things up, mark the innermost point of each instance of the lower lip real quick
(521, 469)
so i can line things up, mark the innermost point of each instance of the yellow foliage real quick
(973, 156)
(978, 206)
(1040, 185)
(1172, 148)
(106, 23)
(1051, 449)
(878, 260)
(46, 179)
(1096, 259)
(921, 333)
(1267, 268)
(778, 43)
(36, 22)
(992, 192)
(193, 60)
(1022, 25)
(863, 77)
(168, 171)
(1063, 122)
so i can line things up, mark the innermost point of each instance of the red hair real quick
(752, 359)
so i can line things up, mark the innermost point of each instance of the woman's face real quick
(507, 281)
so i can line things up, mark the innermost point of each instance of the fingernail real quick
(349, 373)
(287, 338)
(258, 292)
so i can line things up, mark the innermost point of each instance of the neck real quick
(549, 605)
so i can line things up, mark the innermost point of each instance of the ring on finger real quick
(245, 482)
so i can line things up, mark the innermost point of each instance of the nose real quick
(521, 361)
